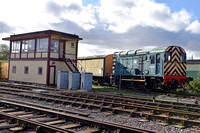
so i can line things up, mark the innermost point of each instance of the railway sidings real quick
(18, 117)
(149, 114)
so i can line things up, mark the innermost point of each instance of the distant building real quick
(36, 57)
(193, 68)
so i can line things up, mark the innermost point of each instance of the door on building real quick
(52, 75)
(157, 63)
(62, 49)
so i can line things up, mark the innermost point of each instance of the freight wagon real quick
(100, 66)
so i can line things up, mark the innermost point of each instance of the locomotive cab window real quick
(144, 58)
(158, 58)
(167, 56)
(183, 57)
(152, 57)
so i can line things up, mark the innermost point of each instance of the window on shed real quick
(167, 56)
(152, 57)
(72, 45)
(15, 47)
(54, 45)
(183, 58)
(28, 45)
(39, 70)
(26, 70)
(42, 45)
(14, 69)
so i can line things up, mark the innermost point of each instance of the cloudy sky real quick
(107, 26)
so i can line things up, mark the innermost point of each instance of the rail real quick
(45, 122)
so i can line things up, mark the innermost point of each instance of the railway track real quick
(167, 112)
(19, 117)
(28, 87)
(31, 87)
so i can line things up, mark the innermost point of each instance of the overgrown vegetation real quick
(193, 88)
(196, 83)
(188, 90)
(4, 52)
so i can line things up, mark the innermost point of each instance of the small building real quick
(36, 57)
(193, 68)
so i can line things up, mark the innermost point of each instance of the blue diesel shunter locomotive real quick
(153, 68)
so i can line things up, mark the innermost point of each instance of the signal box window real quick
(14, 69)
(28, 45)
(39, 70)
(167, 56)
(54, 45)
(26, 70)
(42, 45)
(152, 59)
(72, 45)
(15, 47)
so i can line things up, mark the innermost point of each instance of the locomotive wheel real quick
(158, 85)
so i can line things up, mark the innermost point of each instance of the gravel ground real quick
(133, 121)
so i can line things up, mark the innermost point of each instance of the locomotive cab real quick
(174, 65)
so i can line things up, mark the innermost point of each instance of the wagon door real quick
(157, 63)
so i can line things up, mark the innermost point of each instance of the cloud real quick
(108, 26)
(146, 13)
(5, 28)
(194, 27)
(74, 11)
(57, 9)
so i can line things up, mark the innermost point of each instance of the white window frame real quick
(28, 46)
(15, 47)
(42, 45)
(54, 45)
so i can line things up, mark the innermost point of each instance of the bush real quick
(196, 82)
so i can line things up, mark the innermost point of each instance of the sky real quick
(108, 26)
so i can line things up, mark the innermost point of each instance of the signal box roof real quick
(41, 34)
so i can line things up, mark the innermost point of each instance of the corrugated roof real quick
(144, 51)
(92, 57)
(159, 49)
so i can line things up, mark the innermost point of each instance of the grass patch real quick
(114, 89)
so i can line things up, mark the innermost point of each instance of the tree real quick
(4, 52)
